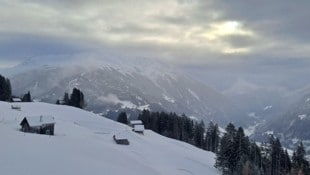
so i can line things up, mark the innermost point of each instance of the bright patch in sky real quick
(219, 30)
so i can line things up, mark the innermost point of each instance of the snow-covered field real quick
(83, 145)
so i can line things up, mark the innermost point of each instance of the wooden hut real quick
(132, 123)
(39, 125)
(120, 141)
(16, 107)
(16, 100)
(138, 129)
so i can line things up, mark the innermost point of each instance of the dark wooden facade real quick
(121, 141)
(46, 128)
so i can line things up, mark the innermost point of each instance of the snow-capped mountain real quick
(261, 103)
(113, 83)
(292, 126)
(83, 144)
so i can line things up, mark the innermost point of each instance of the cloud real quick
(243, 38)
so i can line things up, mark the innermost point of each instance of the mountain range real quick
(113, 83)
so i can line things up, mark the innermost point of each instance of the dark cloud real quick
(201, 36)
(14, 46)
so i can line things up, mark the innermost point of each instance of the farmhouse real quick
(120, 141)
(38, 124)
(132, 123)
(16, 100)
(138, 129)
(16, 107)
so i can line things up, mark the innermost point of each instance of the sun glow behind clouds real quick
(227, 28)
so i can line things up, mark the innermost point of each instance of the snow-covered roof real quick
(16, 100)
(135, 122)
(139, 128)
(40, 120)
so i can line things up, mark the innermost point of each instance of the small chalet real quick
(38, 124)
(132, 123)
(16, 100)
(16, 107)
(120, 141)
(138, 129)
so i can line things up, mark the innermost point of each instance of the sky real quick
(220, 42)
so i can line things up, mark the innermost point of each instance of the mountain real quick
(262, 103)
(292, 126)
(113, 83)
(83, 144)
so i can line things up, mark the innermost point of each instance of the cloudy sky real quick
(259, 41)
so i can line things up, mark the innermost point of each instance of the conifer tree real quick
(199, 134)
(27, 97)
(226, 156)
(5, 89)
(122, 118)
(299, 164)
(212, 138)
(66, 99)
(77, 98)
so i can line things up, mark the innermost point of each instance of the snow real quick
(139, 128)
(194, 94)
(193, 118)
(83, 144)
(135, 122)
(302, 116)
(251, 129)
(169, 99)
(113, 99)
(144, 107)
(267, 107)
(16, 100)
(269, 132)
(39, 120)
(252, 114)
(292, 123)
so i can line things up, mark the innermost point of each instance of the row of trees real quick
(76, 99)
(235, 152)
(238, 155)
(6, 91)
(182, 128)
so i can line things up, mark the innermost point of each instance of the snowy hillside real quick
(111, 84)
(83, 144)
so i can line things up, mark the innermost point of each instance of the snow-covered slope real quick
(113, 83)
(83, 144)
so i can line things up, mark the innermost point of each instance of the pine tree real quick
(242, 145)
(212, 138)
(226, 156)
(66, 99)
(122, 118)
(199, 134)
(77, 98)
(299, 164)
(5, 89)
(27, 97)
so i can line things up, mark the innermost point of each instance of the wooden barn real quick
(16, 107)
(39, 125)
(138, 129)
(132, 123)
(16, 100)
(120, 141)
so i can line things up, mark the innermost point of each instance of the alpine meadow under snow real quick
(83, 144)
